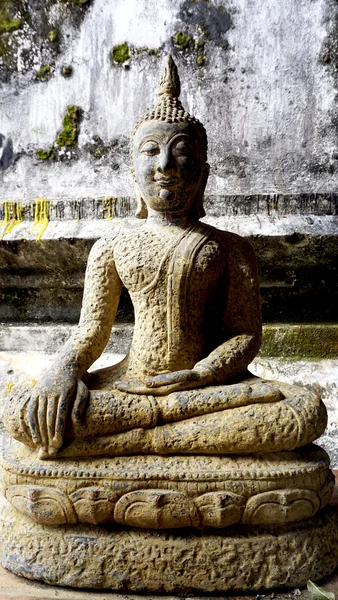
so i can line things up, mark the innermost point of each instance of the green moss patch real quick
(66, 71)
(43, 73)
(8, 26)
(45, 154)
(182, 40)
(300, 341)
(68, 136)
(53, 36)
(120, 53)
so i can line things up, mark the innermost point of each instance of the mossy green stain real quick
(53, 36)
(43, 72)
(182, 40)
(300, 342)
(68, 136)
(10, 25)
(45, 154)
(120, 53)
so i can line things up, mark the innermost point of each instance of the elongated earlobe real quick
(141, 207)
(200, 212)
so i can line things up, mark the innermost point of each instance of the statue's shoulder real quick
(238, 250)
(232, 242)
(103, 248)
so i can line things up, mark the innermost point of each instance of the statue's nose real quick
(165, 161)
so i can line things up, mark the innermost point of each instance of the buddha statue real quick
(179, 433)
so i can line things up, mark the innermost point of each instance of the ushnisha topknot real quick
(169, 108)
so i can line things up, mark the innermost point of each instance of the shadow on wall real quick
(6, 152)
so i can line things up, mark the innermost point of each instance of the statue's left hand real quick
(161, 385)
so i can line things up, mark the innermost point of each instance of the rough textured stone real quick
(169, 492)
(183, 388)
(270, 115)
(249, 558)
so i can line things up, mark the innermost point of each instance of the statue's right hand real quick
(52, 399)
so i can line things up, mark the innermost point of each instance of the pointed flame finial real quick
(169, 80)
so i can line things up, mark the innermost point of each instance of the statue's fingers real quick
(133, 387)
(23, 417)
(51, 418)
(42, 421)
(164, 390)
(185, 376)
(60, 422)
(176, 387)
(80, 404)
(33, 423)
(170, 378)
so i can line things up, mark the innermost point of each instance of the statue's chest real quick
(147, 261)
(139, 259)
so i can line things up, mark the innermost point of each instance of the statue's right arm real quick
(61, 390)
(102, 290)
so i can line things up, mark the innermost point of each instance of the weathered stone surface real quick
(270, 115)
(246, 417)
(308, 341)
(183, 388)
(245, 558)
(169, 492)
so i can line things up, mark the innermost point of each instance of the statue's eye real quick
(150, 148)
(183, 147)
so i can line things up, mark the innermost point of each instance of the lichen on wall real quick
(32, 34)
(65, 139)
(269, 114)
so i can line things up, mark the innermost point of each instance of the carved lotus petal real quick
(156, 509)
(281, 506)
(43, 505)
(220, 509)
(94, 505)
(327, 489)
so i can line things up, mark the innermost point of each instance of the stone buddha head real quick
(169, 155)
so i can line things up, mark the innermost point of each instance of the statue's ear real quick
(141, 207)
(200, 212)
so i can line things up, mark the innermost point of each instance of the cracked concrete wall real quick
(262, 77)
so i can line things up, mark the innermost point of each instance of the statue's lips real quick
(167, 182)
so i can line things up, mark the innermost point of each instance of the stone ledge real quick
(49, 338)
(113, 206)
(280, 340)
(300, 341)
(273, 224)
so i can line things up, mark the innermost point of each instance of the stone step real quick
(281, 340)
(297, 260)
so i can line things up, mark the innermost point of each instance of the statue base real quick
(242, 558)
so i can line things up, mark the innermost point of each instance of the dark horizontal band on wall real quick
(43, 281)
(110, 206)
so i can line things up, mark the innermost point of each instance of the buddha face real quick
(169, 172)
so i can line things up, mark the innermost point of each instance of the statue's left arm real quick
(242, 322)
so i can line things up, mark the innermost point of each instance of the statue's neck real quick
(157, 219)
